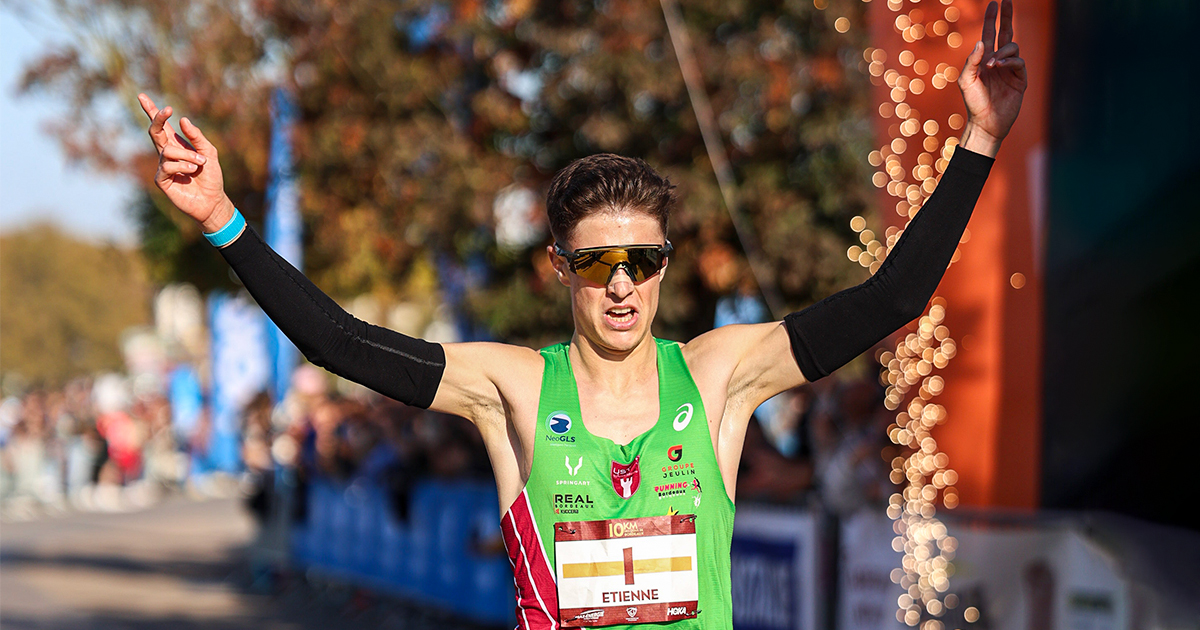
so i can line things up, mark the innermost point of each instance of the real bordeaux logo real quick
(626, 478)
(675, 453)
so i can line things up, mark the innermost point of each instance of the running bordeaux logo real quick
(626, 478)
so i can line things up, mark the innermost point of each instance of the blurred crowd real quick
(98, 444)
(823, 445)
(88, 445)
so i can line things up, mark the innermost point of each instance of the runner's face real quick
(616, 316)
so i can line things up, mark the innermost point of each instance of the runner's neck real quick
(611, 373)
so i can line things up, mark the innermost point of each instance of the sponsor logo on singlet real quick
(675, 453)
(671, 489)
(626, 478)
(559, 424)
(683, 416)
(571, 503)
(594, 614)
(685, 469)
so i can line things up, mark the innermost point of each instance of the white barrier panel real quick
(1025, 577)
(866, 593)
(774, 560)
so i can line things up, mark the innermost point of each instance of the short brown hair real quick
(606, 183)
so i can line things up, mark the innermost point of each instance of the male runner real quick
(616, 454)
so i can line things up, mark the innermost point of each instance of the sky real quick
(37, 184)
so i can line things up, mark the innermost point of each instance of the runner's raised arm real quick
(407, 369)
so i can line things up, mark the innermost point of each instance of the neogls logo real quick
(559, 423)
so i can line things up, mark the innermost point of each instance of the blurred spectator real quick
(824, 450)
(848, 424)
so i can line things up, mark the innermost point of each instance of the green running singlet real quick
(611, 535)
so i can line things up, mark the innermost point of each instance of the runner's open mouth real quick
(621, 314)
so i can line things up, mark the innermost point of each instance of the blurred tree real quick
(414, 115)
(65, 303)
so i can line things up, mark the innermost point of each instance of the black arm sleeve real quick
(388, 362)
(828, 334)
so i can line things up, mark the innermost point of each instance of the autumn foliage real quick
(415, 114)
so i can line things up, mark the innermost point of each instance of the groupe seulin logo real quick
(675, 453)
(559, 423)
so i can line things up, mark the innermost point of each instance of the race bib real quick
(626, 571)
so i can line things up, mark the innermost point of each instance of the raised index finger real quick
(989, 29)
(1006, 29)
(148, 106)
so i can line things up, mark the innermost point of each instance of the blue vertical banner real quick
(284, 227)
(240, 370)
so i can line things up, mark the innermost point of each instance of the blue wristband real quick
(229, 232)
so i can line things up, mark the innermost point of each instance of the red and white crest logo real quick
(626, 478)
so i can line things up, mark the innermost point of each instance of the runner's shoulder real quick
(497, 361)
(725, 344)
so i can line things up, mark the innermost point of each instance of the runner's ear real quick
(560, 266)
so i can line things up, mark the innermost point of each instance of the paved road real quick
(178, 566)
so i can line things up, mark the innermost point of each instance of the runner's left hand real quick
(993, 81)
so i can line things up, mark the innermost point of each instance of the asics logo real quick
(683, 416)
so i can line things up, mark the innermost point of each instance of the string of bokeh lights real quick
(908, 372)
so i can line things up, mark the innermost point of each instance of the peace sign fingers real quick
(1006, 28)
(989, 30)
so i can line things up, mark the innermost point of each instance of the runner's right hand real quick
(188, 170)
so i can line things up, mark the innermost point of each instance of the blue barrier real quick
(444, 555)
